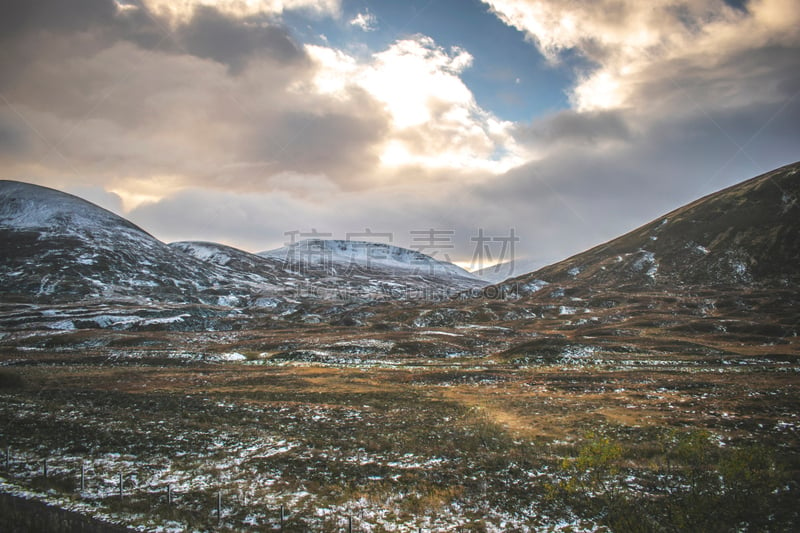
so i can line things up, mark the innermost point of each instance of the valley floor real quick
(355, 429)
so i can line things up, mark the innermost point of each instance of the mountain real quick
(337, 256)
(59, 247)
(703, 279)
(747, 235)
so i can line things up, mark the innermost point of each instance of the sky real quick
(475, 131)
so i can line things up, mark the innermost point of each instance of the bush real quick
(702, 487)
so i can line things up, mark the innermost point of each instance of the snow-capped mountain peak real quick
(341, 255)
(27, 206)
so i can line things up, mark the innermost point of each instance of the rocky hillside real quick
(745, 235)
(59, 247)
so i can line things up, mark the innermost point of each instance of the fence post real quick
(349, 523)
(8, 458)
(169, 494)
(219, 506)
(83, 476)
(121, 494)
(44, 466)
(281, 517)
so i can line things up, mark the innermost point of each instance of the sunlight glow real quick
(138, 192)
(599, 91)
(435, 121)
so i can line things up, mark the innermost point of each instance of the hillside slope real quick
(745, 235)
(58, 246)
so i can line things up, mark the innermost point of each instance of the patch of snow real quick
(228, 301)
(66, 325)
(165, 320)
(267, 303)
(482, 327)
(449, 334)
(534, 286)
(232, 356)
(739, 268)
(367, 343)
(646, 260)
(577, 352)
(788, 202)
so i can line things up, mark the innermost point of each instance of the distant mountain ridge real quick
(335, 255)
(58, 247)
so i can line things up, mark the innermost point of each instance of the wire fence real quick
(118, 491)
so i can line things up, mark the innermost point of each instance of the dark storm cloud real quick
(570, 126)
(208, 34)
(211, 34)
(21, 16)
(103, 18)
(697, 84)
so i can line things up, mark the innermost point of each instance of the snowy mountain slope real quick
(231, 263)
(32, 207)
(338, 256)
(336, 270)
(59, 246)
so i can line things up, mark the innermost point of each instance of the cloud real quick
(211, 34)
(592, 192)
(258, 221)
(235, 104)
(435, 121)
(365, 21)
(630, 44)
(19, 16)
(98, 195)
(180, 11)
(13, 139)
(591, 128)
(47, 31)
(220, 104)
